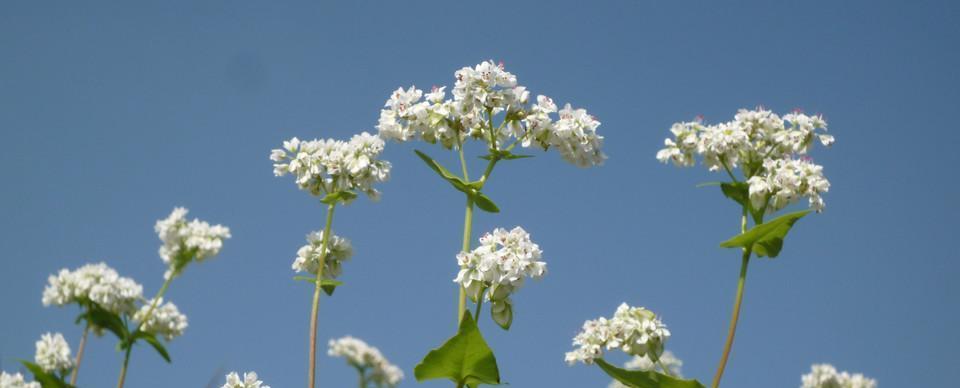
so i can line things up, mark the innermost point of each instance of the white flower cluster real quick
(769, 149)
(96, 283)
(479, 94)
(15, 381)
(644, 363)
(368, 358)
(166, 320)
(826, 376)
(184, 240)
(634, 330)
(53, 353)
(499, 266)
(329, 166)
(308, 256)
(249, 381)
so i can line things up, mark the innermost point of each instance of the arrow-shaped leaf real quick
(485, 203)
(152, 340)
(766, 239)
(464, 359)
(454, 180)
(645, 379)
(327, 285)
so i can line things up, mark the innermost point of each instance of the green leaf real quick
(341, 196)
(645, 379)
(46, 380)
(464, 359)
(485, 203)
(152, 340)
(739, 192)
(504, 155)
(327, 285)
(99, 317)
(766, 239)
(502, 315)
(706, 184)
(454, 180)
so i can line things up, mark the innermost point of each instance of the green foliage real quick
(341, 196)
(645, 379)
(97, 316)
(766, 239)
(327, 285)
(504, 317)
(471, 189)
(503, 155)
(46, 380)
(464, 359)
(739, 192)
(154, 342)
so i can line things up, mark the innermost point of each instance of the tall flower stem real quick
(312, 375)
(736, 307)
(468, 223)
(76, 364)
(146, 317)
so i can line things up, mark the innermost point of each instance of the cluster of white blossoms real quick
(184, 240)
(499, 265)
(250, 380)
(166, 320)
(308, 256)
(479, 94)
(96, 283)
(644, 363)
(53, 353)
(367, 358)
(329, 166)
(634, 330)
(15, 380)
(826, 376)
(769, 149)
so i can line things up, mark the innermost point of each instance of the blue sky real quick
(112, 114)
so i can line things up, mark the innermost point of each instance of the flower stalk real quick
(76, 363)
(318, 286)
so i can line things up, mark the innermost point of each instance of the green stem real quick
(363, 377)
(123, 369)
(736, 307)
(467, 227)
(312, 374)
(476, 313)
(664, 368)
(76, 366)
(463, 164)
(143, 321)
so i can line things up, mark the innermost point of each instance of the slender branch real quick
(123, 369)
(727, 168)
(463, 164)
(143, 321)
(476, 313)
(467, 229)
(312, 374)
(736, 306)
(76, 363)
(666, 371)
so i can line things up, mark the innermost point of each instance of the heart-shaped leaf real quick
(766, 239)
(464, 359)
(645, 379)
(485, 203)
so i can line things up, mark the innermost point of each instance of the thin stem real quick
(727, 168)
(736, 307)
(467, 227)
(123, 370)
(316, 297)
(476, 313)
(76, 364)
(146, 318)
(664, 368)
(463, 164)
(363, 377)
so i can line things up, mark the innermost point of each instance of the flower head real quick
(308, 257)
(634, 330)
(366, 358)
(480, 94)
(249, 381)
(826, 376)
(769, 150)
(53, 353)
(185, 241)
(15, 380)
(165, 320)
(97, 283)
(497, 269)
(330, 166)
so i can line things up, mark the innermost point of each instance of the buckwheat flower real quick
(96, 283)
(826, 376)
(185, 241)
(308, 256)
(366, 358)
(15, 380)
(634, 330)
(498, 268)
(53, 353)
(250, 380)
(787, 180)
(328, 166)
(166, 320)
(644, 363)
(575, 136)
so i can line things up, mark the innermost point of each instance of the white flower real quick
(308, 257)
(53, 353)
(644, 363)
(96, 283)
(634, 330)
(15, 381)
(249, 381)
(480, 94)
(367, 358)
(185, 241)
(166, 320)
(499, 266)
(328, 166)
(769, 150)
(826, 376)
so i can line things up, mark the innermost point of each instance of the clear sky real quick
(113, 113)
